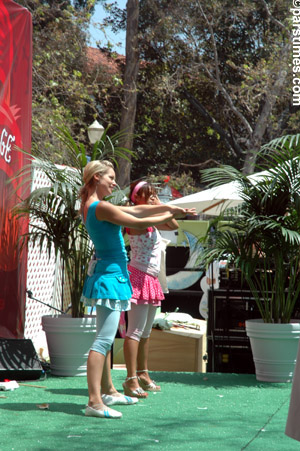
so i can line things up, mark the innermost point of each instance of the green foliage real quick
(66, 90)
(176, 55)
(176, 42)
(106, 148)
(263, 240)
(55, 223)
(183, 183)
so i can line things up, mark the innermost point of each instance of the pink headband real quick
(135, 190)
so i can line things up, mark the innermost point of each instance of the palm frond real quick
(220, 175)
(263, 240)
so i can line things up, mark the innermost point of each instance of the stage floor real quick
(194, 411)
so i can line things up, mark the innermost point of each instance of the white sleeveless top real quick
(146, 251)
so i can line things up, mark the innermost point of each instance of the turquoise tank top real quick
(109, 285)
(107, 237)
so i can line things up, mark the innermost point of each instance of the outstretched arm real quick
(142, 211)
(171, 225)
(105, 211)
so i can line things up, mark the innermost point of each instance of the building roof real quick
(109, 60)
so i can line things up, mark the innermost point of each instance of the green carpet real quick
(194, 411)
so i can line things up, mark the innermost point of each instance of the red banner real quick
(15, 129)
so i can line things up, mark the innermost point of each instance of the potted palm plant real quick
(263, 241)
(56, 224)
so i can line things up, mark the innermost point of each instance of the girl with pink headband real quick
(136, 189)
(144, 267)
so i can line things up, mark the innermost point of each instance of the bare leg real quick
(107, 386)
(96, 407)
(130, 355)
(131, 385)
(95, 366)
(142, 364)
(142, 360)
(143, 352)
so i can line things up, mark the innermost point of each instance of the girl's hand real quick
(191, 211)
(179, 212)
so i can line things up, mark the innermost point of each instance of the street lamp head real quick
(95, 131)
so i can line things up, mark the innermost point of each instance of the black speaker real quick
(18, 360)
(228, 311)
(229, 356)
(228, 347)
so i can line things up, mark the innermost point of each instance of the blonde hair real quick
(92, 168)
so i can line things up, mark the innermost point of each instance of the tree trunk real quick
(255, 141)
(130, 89)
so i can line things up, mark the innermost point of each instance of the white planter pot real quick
(69, 340)
(274, 348)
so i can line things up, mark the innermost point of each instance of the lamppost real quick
(95, 131)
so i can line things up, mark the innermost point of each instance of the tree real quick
(212, 84)
(239, 50)
(130, 88)
(64, 90)
(210, 87)
(275, 68)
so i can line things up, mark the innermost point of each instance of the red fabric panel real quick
(15, 129)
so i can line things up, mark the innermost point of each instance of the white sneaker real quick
(111, 400)
(106, 412)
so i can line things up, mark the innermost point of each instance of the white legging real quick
(107, 326)
(140, 320)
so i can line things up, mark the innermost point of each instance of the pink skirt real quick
(146, 288)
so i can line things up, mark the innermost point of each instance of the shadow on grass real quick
(54, 407)
(69, 391)
(217, 380)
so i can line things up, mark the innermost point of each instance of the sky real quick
(97, 35)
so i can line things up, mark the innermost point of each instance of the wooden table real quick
(178, 349)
